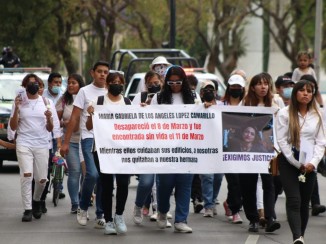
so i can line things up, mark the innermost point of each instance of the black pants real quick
(249, 199)
(107, 181)
(298, 195)
(196, 191)
(234, 192)
(315, 200)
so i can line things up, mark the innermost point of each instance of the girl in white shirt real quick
(32, 120)
(299, 122)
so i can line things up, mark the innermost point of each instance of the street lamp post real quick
(172, 24)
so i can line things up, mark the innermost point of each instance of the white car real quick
(137, 83)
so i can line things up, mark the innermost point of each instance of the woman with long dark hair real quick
(300, 122)
(176, 90)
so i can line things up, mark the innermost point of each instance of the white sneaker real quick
(99, 223)
(82, 217)
(299, 240)
(120, 224)
(208, 212)
(153, 216)
(182, 228)
(138, 215)
(169, 215)
(168, 224)
(110, 229)
(161, 220)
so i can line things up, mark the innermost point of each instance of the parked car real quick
(10, 80)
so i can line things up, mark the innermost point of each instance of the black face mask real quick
(115, 89)
(154, 89)
(32, 88)
(235, 93)
(208, 96)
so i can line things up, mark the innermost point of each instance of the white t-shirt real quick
(67, 110)
(86, 95)
(176, 99)
(107, 101)
(31, 131)
(48, 95)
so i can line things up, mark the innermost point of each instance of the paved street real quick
(59, 226)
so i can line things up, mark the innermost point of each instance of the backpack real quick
(100, 100)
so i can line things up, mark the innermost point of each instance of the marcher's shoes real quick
(253, 227)
(317, 209)
(62, 195)
(299, 240)
(198, 206)
(43, 206)
(27, 216)
(36, 209)
(272, 225)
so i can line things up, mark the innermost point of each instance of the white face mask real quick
(160, 69)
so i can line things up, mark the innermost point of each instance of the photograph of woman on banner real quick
(299, 126)
(260, 93)
(115, 82)
(249, 141)
(245, 132)
(175, 90)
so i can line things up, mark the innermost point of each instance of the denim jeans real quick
(74, 168)
(144, 188)
(211, 184)
(91, 178)
(182, 184)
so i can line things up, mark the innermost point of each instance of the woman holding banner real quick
(115, 82)
(299, 126)
(260, 93)
(234, 93)
(175, 90)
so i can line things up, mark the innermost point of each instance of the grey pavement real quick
(59, 226)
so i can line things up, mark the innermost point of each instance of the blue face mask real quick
(287, 92)
(55, 89)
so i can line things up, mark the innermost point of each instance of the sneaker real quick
(228, 211)
(299, 240)
(62, 195)
(168, 215)
(73, 209)
(43, 207)
(182, 228)
(198, 206)
(153, 216)
(168, 224)
(272, 225)
(214, 210)
(120, 224)
(99, 223)
(317, 209)
(208, 212)
(82, 217)
(145, 211)
(36, 209)
(236, 219)
(27, 216)
(161, 220)
(110, 229)
(138, 215)
(253, 227)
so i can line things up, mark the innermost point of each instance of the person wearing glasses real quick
(175, 90)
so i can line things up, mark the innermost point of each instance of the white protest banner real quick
(182, 139)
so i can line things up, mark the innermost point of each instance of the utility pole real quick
(318, 32)
(172, 24)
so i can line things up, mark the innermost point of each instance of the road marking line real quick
(252, 239)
